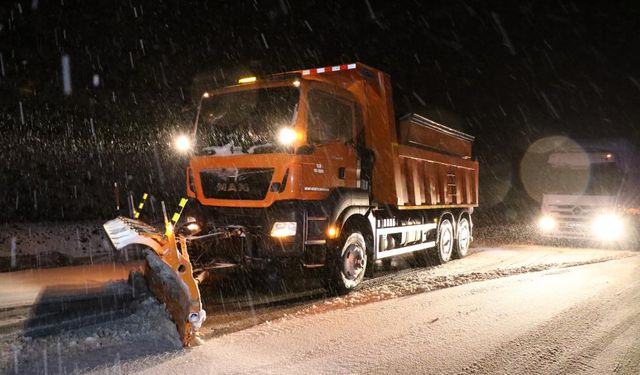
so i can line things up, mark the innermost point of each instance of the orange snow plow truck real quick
(308, 169)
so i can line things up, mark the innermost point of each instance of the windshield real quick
(597, 179)
(246, 121)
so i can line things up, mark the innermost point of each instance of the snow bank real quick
(56, 244)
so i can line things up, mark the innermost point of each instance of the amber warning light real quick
(247, 80)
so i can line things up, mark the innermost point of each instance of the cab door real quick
(334, 120)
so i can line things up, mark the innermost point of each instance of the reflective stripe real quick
(183, 202)
(335, 68)
(136, 213)
(176, 216)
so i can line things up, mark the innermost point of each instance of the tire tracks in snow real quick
(389, 286)
(568, 344)
(421, 281)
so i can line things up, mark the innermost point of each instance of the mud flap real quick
(168, 273)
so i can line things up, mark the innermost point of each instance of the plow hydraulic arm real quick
(168, 272)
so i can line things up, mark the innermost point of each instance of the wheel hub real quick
(446, 242)
(353, 262)
(463, 237)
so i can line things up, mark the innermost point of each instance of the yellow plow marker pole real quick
(136, 213)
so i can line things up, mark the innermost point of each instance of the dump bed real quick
(433, 166)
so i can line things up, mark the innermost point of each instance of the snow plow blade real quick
(168, 272)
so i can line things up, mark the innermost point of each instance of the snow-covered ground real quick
(583, 319)
(391, 325)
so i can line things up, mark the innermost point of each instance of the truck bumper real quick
(246, 234)
(570, 231)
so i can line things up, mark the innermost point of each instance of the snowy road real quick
(516, 310)
(569, 320)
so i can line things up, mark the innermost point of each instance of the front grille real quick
(573, 213)
(236, 183)
(574, 221)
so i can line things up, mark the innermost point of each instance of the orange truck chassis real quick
(312, 169)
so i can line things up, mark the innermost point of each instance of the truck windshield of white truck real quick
(589, 179)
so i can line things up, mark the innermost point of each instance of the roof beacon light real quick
(247, 80)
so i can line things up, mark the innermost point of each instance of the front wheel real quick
(350, 267)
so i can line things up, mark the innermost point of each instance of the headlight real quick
(608, 227)
(283, 229)
(183, 143)
(193, 228)
(547, 223)
(287, 136)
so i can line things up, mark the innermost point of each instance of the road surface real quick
(582, 319)
(515, 310)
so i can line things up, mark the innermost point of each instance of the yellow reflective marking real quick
(175, 217)
(136, 214)
(183, 202)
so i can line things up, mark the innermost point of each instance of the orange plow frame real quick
(169, 273)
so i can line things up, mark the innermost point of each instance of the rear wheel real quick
(444, 242)
(463, 238)
(350, 267)
(444, 246)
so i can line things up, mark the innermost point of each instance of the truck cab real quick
(308, 169)
(586, 194)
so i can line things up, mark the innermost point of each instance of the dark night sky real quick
(508, 72)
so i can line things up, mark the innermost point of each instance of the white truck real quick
(591, 192)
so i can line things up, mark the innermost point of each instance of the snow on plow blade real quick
(168, 272)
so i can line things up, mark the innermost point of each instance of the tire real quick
(386, 264)
(444, 243)
(463, 238)
(422, 258)
(351, 264)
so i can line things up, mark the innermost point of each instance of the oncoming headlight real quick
(608, 227)
(547, 223)
(284, 229)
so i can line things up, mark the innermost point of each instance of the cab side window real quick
(330, 119)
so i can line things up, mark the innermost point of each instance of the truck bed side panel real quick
(427, 178)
